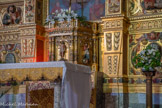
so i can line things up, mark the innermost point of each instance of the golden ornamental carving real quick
(28, 60)
(115, 64)
(109, 41)
(9, 37)
(109, 62)
(113, 7)
(145, 25)
(116, 40)
(29, 31)
(112, 41)
(112, 64)
(28, 46)
(113, 24)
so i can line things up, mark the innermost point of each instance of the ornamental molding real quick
(112, 62)
(145, 17)
(144, 25)
(9, 37)
(113, 16)
(28, 31)
(10, 1)
(113, 24)
(60, 33)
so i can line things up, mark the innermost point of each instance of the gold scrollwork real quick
(116, 40)
(109, 41)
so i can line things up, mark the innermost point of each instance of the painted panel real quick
(12, 15)
(113, 6)
(138, 42)
(144, 7)
(93, 9)
(29, 11)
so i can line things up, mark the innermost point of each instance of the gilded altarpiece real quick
(72, 41)
(18, 27)
(75, 42)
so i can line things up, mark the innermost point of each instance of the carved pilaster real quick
(28, 43)
(115, 49)
(72, 49)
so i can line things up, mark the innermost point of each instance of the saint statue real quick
(62, 49)
(86, 53)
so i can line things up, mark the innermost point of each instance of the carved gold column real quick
(46, 49)
(71, 49)
(50, 49)
(75, 48)
(115, 52)
(53, 49)
(94, 64)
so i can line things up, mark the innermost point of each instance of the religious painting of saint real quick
(96, 10)
(151, 4)
(55, 5)
(86, 53)
(114, 6)
(76, 5)
(13, 15)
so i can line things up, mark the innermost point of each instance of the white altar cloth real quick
(76, 81)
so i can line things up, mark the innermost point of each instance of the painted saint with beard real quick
(13, 15)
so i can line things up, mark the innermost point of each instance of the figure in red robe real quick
(56, 7)
(96, 10)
